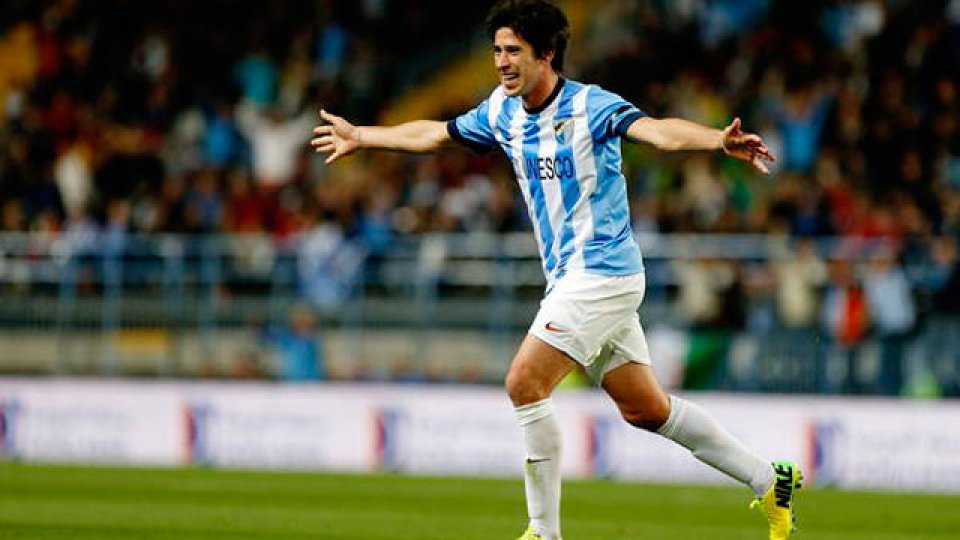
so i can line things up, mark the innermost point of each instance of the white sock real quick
(541, 472)
(694, 429)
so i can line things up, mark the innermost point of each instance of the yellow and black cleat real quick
(530, 534)
(777, 503)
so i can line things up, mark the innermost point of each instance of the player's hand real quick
(747, 147)
(335, 136)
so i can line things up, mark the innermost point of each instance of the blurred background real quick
(161, 215)
(184, 285)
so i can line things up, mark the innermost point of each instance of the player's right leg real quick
(535, 371)
(643, 403)
(574, 321)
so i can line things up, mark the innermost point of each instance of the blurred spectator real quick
(328, 263)
(712, 301)
(723, 18)
(845, 318)
(184, 149)
(800, 116)
(297, 352)
(295, 76)
(247, 209)
(257, 76)
(204, 203)
(12, 217)
(44, 201)
(331, 45)
(943, 344)
(16, 173)
(848, 24)
(704, 194)
(276, 142)
(80, 234)
(800, 273)
(945, 283)
(893, 314)
(117, 226)
(221, 140)
(74, 177)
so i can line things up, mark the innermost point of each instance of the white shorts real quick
(594, 319)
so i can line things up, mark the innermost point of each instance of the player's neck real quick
(542, 92)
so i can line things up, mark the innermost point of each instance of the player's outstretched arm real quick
(678, 134)
(338, 137)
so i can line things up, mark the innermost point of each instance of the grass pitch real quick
(47, 502)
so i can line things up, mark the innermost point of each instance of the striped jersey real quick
(567, 159)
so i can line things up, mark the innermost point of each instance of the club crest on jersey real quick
(563, 129)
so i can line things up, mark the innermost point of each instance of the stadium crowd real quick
(179, 116)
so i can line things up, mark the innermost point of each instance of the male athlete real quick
(563, 139)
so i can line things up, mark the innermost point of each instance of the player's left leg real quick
(644, 404)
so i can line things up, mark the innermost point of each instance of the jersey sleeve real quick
(472, 129)
(609, 114)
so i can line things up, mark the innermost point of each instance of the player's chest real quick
(547, 148)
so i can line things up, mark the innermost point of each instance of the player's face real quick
(517, 65)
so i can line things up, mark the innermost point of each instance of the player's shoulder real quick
(595, 96)
(496, 101)
(574, 87)
(598, 95)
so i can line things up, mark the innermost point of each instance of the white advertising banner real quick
(283, 427)
(909, 446)
(846, 443)
(473, 431)
(470, 435)
(96, 422)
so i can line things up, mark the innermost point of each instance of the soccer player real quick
(563, 140)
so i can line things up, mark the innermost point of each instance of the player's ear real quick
(547, 57)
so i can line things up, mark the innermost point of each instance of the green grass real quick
(48, 502)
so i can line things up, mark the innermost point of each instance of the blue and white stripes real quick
(567, 160)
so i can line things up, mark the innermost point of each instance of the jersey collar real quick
(546, 103)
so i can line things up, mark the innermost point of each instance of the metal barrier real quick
(121, 304)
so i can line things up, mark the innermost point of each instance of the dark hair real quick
(540, 22)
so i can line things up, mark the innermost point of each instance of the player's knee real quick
(523, 390)
(649, 419)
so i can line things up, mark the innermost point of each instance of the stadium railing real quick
(161, 305)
